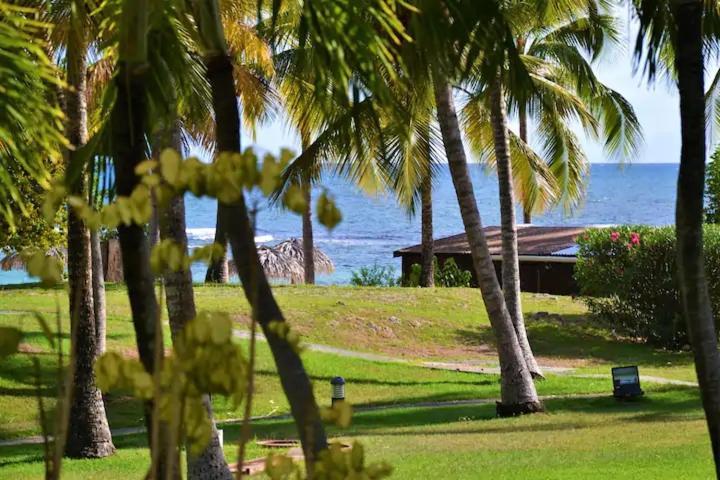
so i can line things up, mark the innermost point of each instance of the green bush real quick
(374, 276)
(628, 276)
(449, 275)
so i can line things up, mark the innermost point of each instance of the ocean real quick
(374, 226)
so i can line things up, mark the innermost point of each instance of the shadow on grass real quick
(325, 379)
(668, 405)
(580, 337)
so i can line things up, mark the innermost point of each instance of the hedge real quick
(628, 276)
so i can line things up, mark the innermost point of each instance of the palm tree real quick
(88, 430)
(552, 47)
(294, 379)
(357, 155)
(30, 84)
(180, 302)
(128, 137)
(252, 69)
(687, 30)
(441, 42)
(518, 392)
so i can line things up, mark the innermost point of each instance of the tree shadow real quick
(480, 381)
(671, 404)
(580, 337)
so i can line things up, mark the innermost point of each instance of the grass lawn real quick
(662, 436)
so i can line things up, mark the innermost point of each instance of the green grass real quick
(662, 436)
(445, 324)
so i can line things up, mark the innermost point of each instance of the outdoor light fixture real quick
(626, 382)
(338, 389)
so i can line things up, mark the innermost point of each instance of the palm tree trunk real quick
(427, 274)
(522, 120)
(308, 242)
(293, 377)
(517, 390)
(128, 137)
(180, 300)
(508, 228)
(88, 430)
(689, 214)
(98, 283)
(217, 271)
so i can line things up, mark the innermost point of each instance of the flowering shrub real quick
(628, 276)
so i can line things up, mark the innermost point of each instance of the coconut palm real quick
(366, 137)
(294, 379)
(683, 35)
(88, 430)
(252, 69)
(552, 47)
(30, 85)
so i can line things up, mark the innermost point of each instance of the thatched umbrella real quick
(17, 261)
(276, 264)
(294, 248)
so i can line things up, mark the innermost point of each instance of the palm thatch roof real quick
(12, 261)
(276, 264)
(294, 248)
(17, 261)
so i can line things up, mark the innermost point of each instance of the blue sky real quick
(656, 107)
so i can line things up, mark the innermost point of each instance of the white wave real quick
(208, 235)
(263, 238)
(201, 233)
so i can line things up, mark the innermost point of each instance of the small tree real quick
(712, 188)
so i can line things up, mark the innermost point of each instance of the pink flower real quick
(614, 236)
(635, 238)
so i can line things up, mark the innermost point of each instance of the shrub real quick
(449, 275)
(374, 276)
(628, 276)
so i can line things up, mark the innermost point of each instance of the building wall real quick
(537, 277)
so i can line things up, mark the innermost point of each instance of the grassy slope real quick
(663, 435)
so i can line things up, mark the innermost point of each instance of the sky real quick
(656, 107)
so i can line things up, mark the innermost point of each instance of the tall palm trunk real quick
(217, 271)
(88, 430)
(689, 214)
(508, 229)
(427, 274)
(308, 242)
(180, 300)
(522, 121)
(98, 285)
(129, 141)
(517, 390)
(295, 381)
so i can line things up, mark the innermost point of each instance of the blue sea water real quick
(374, 226)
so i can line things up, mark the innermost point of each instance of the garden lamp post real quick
(338, 389)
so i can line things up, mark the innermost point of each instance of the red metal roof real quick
(532, 240)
